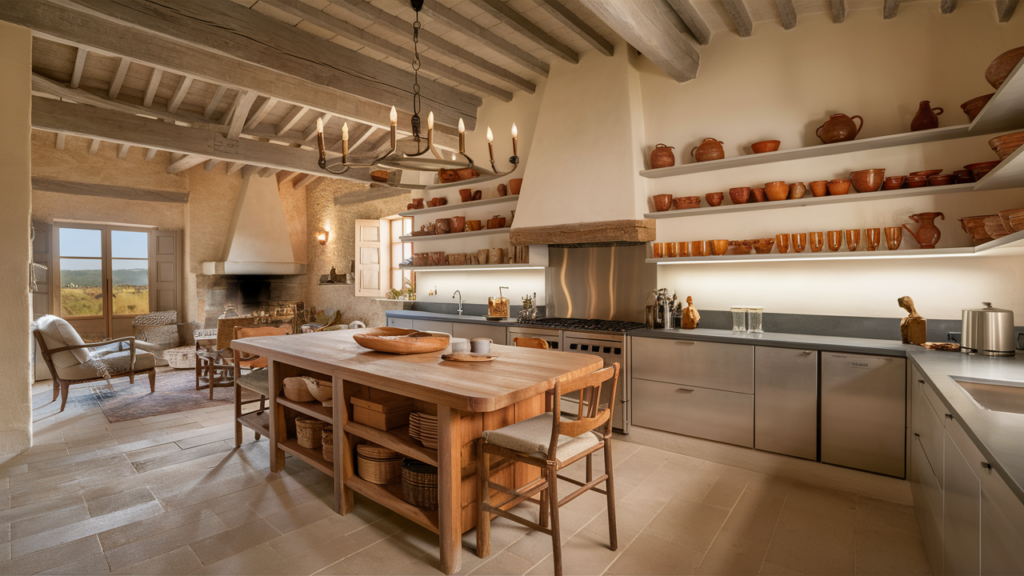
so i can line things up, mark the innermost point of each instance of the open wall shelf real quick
(456, 235)
(473, 268)
(1005, 111)
(462, 205)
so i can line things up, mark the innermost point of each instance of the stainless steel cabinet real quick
(432, 326)
(927, 426)
(495, 333)
(961, 495)
(711, 365)
(927, 504)
(400, 323)
(863, 412)
(786, 401)
(712, 414)
(1002, 527)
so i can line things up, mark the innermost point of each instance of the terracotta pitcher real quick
(926, 117)
(928, 233)
(662, 157)
(839, 128)
(710, 149)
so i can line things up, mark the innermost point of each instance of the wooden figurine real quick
(691, 318)
(913, 328)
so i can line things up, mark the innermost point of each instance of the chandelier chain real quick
(416, 77)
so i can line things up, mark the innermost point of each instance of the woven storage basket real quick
(309, 432)
(328, 443)
(419, 484)
(377, 464)
(182, 358)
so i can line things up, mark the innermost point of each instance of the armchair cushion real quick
(116, 362)
(58, 333)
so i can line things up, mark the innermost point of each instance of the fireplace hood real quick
(258, 240)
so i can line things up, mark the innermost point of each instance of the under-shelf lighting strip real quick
(865, 256)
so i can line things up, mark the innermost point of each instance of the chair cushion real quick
(533, 437)
(58, 333)
(257, 381)
(156, 318)
(116, 362)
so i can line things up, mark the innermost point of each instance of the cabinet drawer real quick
(432, 326)
(400, 323)
(928, 506)
(711, 365)
(965, 445)
(927, 428)
(495, 333)
(712, 414)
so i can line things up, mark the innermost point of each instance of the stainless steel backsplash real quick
(607, 282)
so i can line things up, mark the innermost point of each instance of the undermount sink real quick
(999, 396)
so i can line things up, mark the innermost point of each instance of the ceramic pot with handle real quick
(839, 128)
(662, 157)
(928, 234)
(926, 117)
(709, 149)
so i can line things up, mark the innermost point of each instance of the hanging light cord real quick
(416, 80)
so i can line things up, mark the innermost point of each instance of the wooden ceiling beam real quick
(214, 102)
(740, 17)
(211, 164)
(306, 179)
(434, 41)
(693, 20)
(361, 138)
(250, 170)
(234, 167)
(655, 29)
(890, 8)
(107, 191)
(76, 73)
(60, 140)
(239, 112)
(122, 71)
(90, 122)
(787, 13)
(150, 154)
(122, 151)
(1005, 9)
(947, 6)
(185, 163)
(94, 146)
(455, 21)
(516, 21)
(261, 112)
(179, 93)
(291, 119)
(838, 11)
(268, 172)
(338, 26)
(570, 20)
(43, 84)
(154, 83)
(310, 132)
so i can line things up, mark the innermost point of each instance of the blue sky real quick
(86, 243)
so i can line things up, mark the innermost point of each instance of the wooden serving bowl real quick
(401, 340)
(869, 180)
(776, 191)
(1000, 68)
(765, 146)
(975, 226)
(1005, 145)
(686, 202)
(1013, 220)
(974, 105)
(979, 169)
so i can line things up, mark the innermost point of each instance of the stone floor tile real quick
(730, 555)
(95, 564)
(691, 524)
(503, 564)
(886, 550)
(651, 555)
(179, 561)
(875, 512)
(824, 524)
(769, 569)
(52, 557)
(810, 555)
(754, 517)
(77, 530)
(233, 541)
(158, 544)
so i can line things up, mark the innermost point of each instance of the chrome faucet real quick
(460, 301)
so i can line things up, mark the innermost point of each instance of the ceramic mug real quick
(799, 241)
(893, 237)
(835, 240)
(782, 241)
(853, 240)
(817, 241)
(480, 345)
(874, 238)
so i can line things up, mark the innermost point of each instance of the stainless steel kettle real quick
(987, 331)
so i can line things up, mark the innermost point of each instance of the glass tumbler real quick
(754, 320)
(739, 319)
(657, 249)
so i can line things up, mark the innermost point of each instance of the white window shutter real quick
(373, 258)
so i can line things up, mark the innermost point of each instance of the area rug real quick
(175, 392)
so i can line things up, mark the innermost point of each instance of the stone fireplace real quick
(267, 295)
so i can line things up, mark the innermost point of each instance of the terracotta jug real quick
(928, 233)
(710, 149)
(926, 117)
(662, 157)
(839, 128)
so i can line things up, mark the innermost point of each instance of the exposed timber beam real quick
(787, 13)
(185, 163)
(291, 119)
(150, 154)
(338, 26)
(395, 24)
(122, 151)
(94, 146)
(249, 170)
(241, 33)
(235, 167)
(88, 122)
(838, 11)
(239, 112)
(48, 86)
(212, 106)
(179, 93)
(360, 139)
(211, 164)
(570, 20)
(516, 21)
(361, 196)
(310, 132)
(268, 172)
(115, 84)
(107, 191)
(740, 17)
(1005, 9)
(83, 29)
(154, 83)
(306, 179)
(693, 20)
(261, 112)
(654, 29)
(947, 6)
(60, 140)
(467, 27)
(890, 8)
(76, 74)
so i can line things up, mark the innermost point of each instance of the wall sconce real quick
(322, 235)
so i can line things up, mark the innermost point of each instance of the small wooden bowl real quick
(714, 198)
(686, 202)
(765, 146)
(763, 245)
(401, 340)
(973, 106)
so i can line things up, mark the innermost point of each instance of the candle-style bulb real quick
(394, 116)
(320, 126)
(515, 132)
(490, 135)
(462, 126)
(430, 121)
(344, 131)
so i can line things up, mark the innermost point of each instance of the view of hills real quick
(87, 278)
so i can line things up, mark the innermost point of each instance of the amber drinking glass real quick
(699, 248)
(782, 242)
(835, 240)
(799, 241)
(893, 237)
(658, 249)
(670, 249)
(817, 241)
(853, 240)
(874, 238)
(683, 249)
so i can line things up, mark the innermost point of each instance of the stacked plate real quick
(423, 428)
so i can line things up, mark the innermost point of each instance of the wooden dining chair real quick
(550, 444)
(526, 342)
(257, 380)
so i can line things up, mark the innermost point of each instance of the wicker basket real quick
(377, 464)
(309, 432)
(328, 442)
(419, 484)
(182, 358)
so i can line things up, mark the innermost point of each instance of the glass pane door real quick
(129, 252)
(81, 273)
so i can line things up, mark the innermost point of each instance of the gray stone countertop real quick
(438, 317)
(826, 343)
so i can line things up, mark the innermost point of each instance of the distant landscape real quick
(81, 292)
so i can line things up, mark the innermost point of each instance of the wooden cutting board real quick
(469, 357)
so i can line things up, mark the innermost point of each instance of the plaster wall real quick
(782, 85)
(16, 167)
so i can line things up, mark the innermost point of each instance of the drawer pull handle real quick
(950, 416)
(684, 390)
(685, 342)
(807, 352)
(916, 434)
(920, 381)
(986, 465)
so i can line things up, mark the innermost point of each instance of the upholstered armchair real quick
(72, 361)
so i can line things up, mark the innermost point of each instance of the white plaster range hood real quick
(258, 241)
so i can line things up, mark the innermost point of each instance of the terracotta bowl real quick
(963, 176)
(974, 105)
(744, 246)
(1000, 68)
(797, 190)
(662, 202)
(714, 198)
(776, 191)
(1004, 145)
(926, 173)
(819, 187)
(685, 202)
(763, 245)
(893, 182)
(979, 169)
(758, 194)
(868, 180)
(940, 180)
(1013, 220)
(739, 195)
(765, 146)
(975, 226)
(916, 181)
(457, 224)
(838, 187)
(719, 247)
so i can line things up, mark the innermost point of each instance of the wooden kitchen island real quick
(468, 397)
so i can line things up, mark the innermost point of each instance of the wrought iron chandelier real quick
(418, 161)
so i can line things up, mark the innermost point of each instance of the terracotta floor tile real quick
(650, 555)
